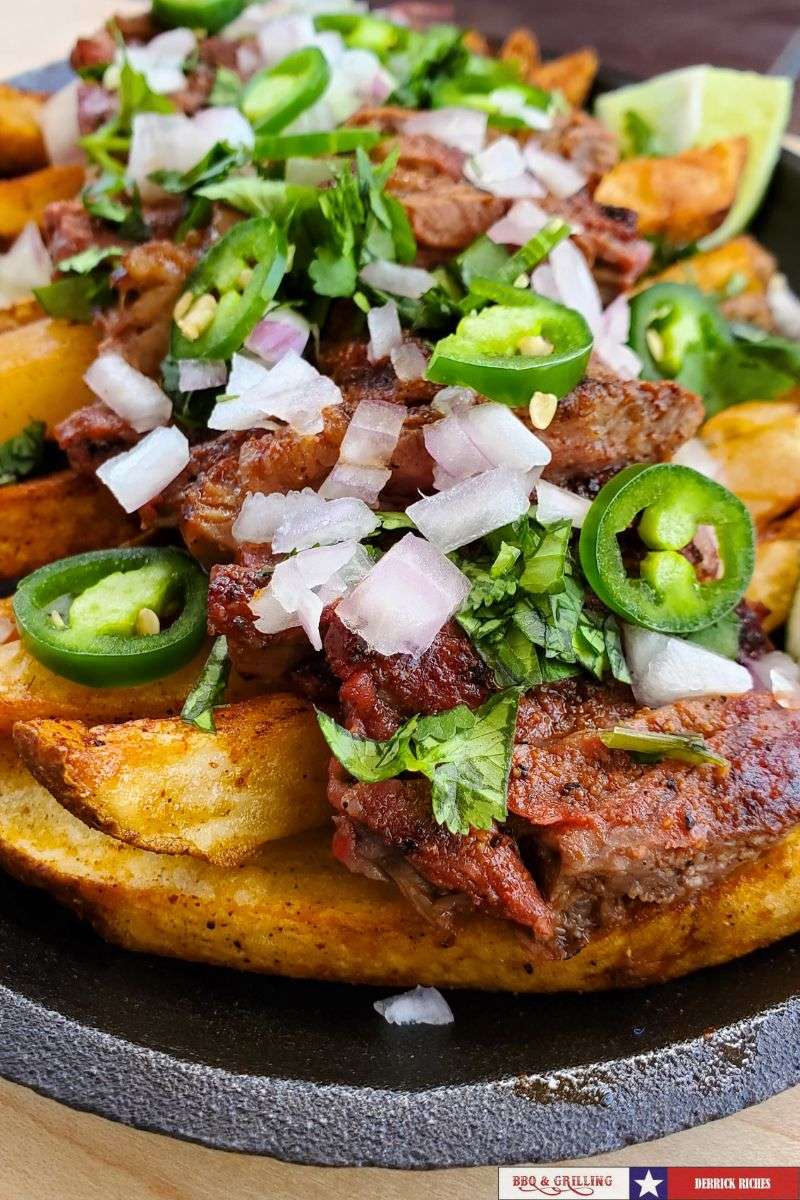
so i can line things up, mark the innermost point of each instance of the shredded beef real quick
(91, 435)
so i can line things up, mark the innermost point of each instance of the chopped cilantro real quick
(227, 89)
(639, 138)
(21, 454)
(108, 146)
(209, 690)
(465, 754)
(220, 160)
(84, 286)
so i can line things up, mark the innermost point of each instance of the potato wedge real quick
(522, 47)
(680, 198)
(712, 270)
(41, 373)
(42, 520)
(25, 199)
(777, 572)
(21, 144)
(758, 445)
(573, 75)
(295, 911)
(167, 786)
(23, 312)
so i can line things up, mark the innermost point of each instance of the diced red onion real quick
(784, 306)
(372, 434)
(60, 128)
(420, 1006)
(405, 599)
(476, 439)
(666, 669)
(310, 520)
(555, 503)
(411, 282)
(453, 399)
(471, 509)
(409, 362)
(460, 128)
(695, 454)
(25, 266)
(385, 333)
(198, 374)
(139, 475)
(133, 396)
(558, 175)
(279, 332)
(522, 222)
(346, 479)
(778, 673)
(292, 391)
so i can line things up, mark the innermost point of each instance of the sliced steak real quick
(587, 143)
(445, 214)
(608, 239)
(91, 435)
(254, 654)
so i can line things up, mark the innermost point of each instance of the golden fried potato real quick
(41, 373)
(741, 258)
(522, 47)
(168, 786)
(573, 75)
(294, 911)
(476, 43)
(758, 445)
(680, 198)
(42, 520)
(777, 571)
(22, 312)
(21, 144)
(25, 199)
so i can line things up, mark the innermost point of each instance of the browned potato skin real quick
(758, 445)
(41, 373)
(681, 198)
(25, 199)
(23, 312)
(712, 270)
(295, 911)
(42, 520)
(21, 144)
(167, 786)
(572, 75)
(777, 571)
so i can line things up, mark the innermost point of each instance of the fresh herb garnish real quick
(262, 197)
(220, 160)
(527, 613)
(227, 89)
(649, 747)
(107, 200)
(84, 286)
(109, 145)
(209, 690)
(639, 138)
(466, 755)
(21, 454)
(428, 57)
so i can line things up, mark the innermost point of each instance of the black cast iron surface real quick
(309, 1073)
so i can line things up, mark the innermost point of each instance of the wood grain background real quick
(48, 1152)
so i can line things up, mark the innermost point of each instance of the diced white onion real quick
(511, 103)
(476, 439)
(300, 520)
(346, 479)
(460, 128)
(555, 503)
(784, 306)
(27, 265)
(522, 222)
(279, 332)
(695, 454)
(411, 282)
(575, 283)
(372, 434)
(170, 141)
(282, 37)
(197, 374)
(665, 669)
(409, 362)
(453, 399)
(780, 674)
(133, 396)
(246, 373)
(139, 475)
(385, 333)
(420, 1006)
(292, 391)
(471, 509)
(161, 61)
(557, 174)
(500, 169)
(311, 172)
(60, 128)
(302, 585)
(611, 338)
(405, 599)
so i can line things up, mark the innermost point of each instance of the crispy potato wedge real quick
(522, 46)
(573, 75)
(41, 373)
(21, 144)
(712, 270)
(294, 911)
(42, 520)
(23, 312)
(25, 199)
(167, 786)
(476, 43)
(681, 198)
(777, 572)
(758, 445)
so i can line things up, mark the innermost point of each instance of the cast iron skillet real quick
(307, 1072)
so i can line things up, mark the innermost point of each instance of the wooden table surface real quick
(48, 1152)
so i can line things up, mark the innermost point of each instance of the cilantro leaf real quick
(21, 454)
(84, 286)
(227, 89)
(109, 145)
(261, 197)
(106, 200)
(465, 754)
(639, 138)
(209, 690)
(646, 746)
(220, 160)
(85, 262)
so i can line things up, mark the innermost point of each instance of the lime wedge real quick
(700, 105)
